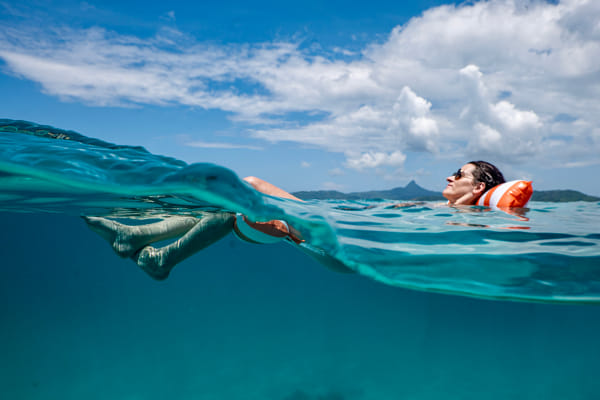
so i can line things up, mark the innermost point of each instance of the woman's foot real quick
(152, 261)
(118, 235)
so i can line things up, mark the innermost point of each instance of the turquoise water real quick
(548, 252)
(240, 321)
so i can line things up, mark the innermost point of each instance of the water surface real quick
(547, 252)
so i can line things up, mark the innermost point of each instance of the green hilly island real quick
(413, 191)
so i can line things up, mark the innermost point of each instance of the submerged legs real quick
(194, 235)
(127, 239)
(133, 241)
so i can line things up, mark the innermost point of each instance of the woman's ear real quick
(479, 189)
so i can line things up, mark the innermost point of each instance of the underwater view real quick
(444, 302)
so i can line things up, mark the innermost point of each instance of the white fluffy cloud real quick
(498, 128)
(375, 159)
(371, 135)
(512, 78)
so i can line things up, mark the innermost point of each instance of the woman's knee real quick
(268, 188)
(254, 181)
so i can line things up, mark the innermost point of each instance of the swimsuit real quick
(262, 232)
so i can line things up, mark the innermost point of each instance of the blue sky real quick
(320, 95)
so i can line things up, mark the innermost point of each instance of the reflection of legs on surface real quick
(127, 239)
(158, 263)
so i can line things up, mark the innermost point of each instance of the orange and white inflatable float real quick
(507, 195)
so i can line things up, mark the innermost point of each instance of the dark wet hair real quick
(487, 173)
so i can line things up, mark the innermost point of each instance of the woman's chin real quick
(447, 194)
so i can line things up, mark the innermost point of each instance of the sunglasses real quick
(458, 174)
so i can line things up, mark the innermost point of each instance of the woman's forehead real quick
(467, 168)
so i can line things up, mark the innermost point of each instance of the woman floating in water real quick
(470, 182)
(464, 187)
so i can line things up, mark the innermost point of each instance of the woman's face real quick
(463, 189)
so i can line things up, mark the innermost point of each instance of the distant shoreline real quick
(413, 191)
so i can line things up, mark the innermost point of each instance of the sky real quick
(313, 95)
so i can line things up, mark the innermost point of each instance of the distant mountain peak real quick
(412, 191)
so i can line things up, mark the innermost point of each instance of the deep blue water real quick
(242, 321)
